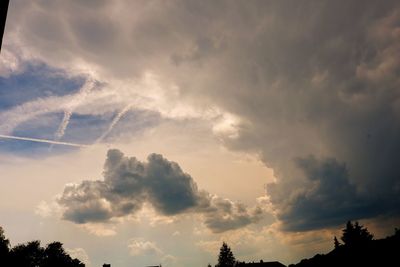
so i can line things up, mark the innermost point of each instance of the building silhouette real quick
(260, 264)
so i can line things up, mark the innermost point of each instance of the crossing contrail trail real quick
(63, 126)
(76, 101)
(41, 140)
(114, 122)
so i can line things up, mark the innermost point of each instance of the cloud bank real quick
(129, 183)
(314, 85)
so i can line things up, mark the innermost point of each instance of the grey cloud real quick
(306, 78)
(223, 214)
(129, 183)
(85, 202)
(325, 198)
(319, 101)
(175, 192)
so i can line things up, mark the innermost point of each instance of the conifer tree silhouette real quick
(225, 258)
(336, 242)
(355, 234)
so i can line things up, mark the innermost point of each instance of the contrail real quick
(41, 140)
(114, 122)
(63, 126)
(76, 101)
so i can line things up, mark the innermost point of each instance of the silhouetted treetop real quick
(4, 245)
(355, 234)
(336, 242)
(31, 254)
(360, 249)
(225, 258)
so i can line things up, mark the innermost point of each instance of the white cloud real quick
(80, 254)
(100, 229)
(9, 63)
(139, 246)
(49, 209)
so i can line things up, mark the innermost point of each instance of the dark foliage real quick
(32, 254)
(226, 258)
(355, 234)
(4, 246)
(359, 249)
(336, 242)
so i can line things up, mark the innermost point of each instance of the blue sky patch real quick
(36, 81)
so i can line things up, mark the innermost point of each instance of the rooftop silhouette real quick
(261, 264)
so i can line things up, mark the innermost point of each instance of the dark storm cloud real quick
(326, 198)
(129, 183)
(331, 90)
(316, 78)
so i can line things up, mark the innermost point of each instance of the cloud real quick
(317, 78)
(80, 254)
(45, 209)
(142, 247)
(337, 102)
(76, 101)
(100, 229)
(129, 184)
(326, 197)
(223, 214)
(116, 119)
(138, 246)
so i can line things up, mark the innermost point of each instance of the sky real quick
(148, 132)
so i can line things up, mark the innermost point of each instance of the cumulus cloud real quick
(129, 183)
(223, 214)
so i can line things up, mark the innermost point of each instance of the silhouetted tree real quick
(355, 234)
(55, 255)
(225, 258)
(27, 255)
(4, 248)
(360, 249)
(32, 254)
(336, 242)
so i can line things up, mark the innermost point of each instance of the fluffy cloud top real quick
(139, 246)
(129, 183)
